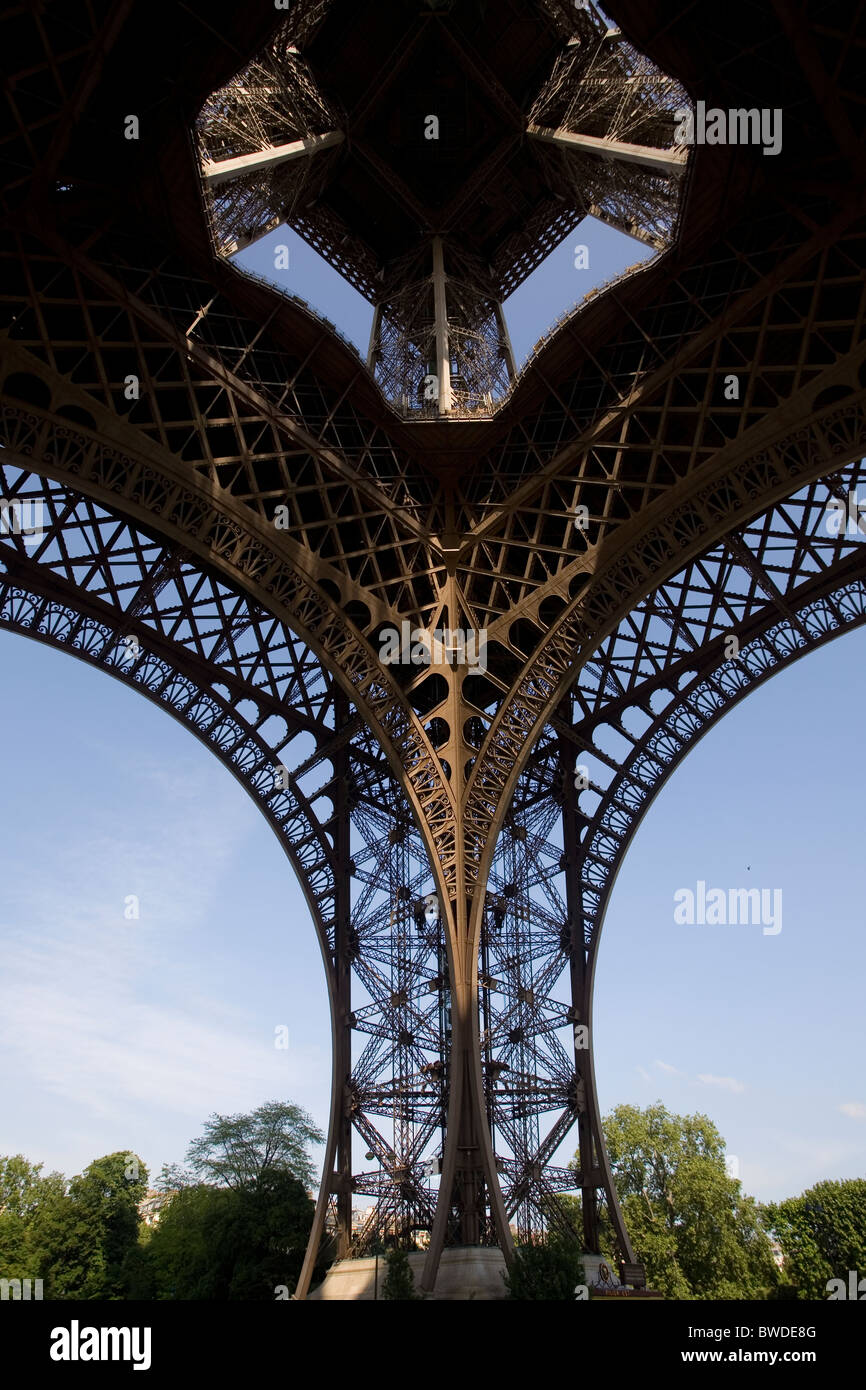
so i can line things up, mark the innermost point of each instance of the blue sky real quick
(553, 288)
(126, 1034)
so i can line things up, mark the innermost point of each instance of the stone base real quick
(467, 1272)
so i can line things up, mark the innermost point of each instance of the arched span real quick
(209, 444)
(96, 586)
(784, 585)
(145, 615)
(209, 655)
(152, 488)
(100, 589)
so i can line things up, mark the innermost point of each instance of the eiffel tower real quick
(209, 494)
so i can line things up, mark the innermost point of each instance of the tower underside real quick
(195, 461)
(438, 188)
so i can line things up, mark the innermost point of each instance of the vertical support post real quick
(592, 1154)
(469, 1179)
(578, 974)
(337, 1166)
(505, 337)
(343, 977)
(440, 314)
(374, 339)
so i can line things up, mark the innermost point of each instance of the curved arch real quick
(800, 586)
(706, 701)
(731, 491)
(149, 486)
(99, 589)
(624, 414)
(785, 586)
(735, 487)
(104, 617)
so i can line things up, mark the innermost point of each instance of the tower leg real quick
(595, 1170)
(469, 1181)
(337, 1168)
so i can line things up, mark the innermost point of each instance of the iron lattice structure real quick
(591, 134)
(221, 479)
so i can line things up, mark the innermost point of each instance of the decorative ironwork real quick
(275, 149)
(222, 479)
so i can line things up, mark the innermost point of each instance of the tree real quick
(81, 1238)
(181, 1252)
(171, 1178)
(231, 1243)
(822, 1234)
(689, 1222)
(109, 1191)
(236, 1150)
(65, 1247)
(398, 1282)
(549, 1271)
(20, 1185)
(22, 1189)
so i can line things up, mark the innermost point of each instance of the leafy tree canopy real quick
(237, 1233)
(822, 1234)
(80, 1238)
(23, 1189)
(230, 1243)
(237, 1150)
(22, 1185)
(690, 1224)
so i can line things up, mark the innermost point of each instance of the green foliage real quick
(398, 1281)
(79, 1239)
(689, 1222)
(238, 1235)
(108, 1193)
(23, 1190)
(231, 1243)
(236, 1150)
(65, 1249)
(179, 1252)
(21, 1186)
(171, 1178)
(822, 1234)
(550, 1271)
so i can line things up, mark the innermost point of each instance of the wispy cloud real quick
(854, 1109)
(666, 1067)
(114, 1015)
(725, 1083)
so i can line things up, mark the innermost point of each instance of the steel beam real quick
(218, 172)
(440, 309)
(672, 161)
